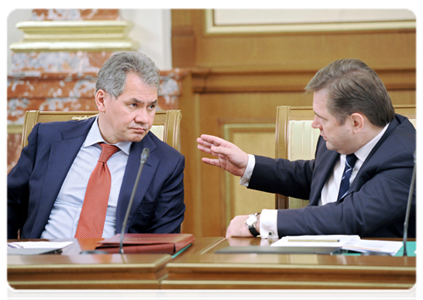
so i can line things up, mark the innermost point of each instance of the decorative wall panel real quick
(252, 138)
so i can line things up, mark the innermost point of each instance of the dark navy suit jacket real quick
(376, 202)
(34, 183)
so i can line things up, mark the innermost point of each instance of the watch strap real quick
(253, 231)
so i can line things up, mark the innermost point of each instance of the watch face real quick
(251, 220)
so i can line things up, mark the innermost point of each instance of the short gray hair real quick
(354, 87)
(112, 75)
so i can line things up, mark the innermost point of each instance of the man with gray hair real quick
(360, 178)
(75, 178)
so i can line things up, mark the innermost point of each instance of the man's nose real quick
(142, 116)
(316, 123)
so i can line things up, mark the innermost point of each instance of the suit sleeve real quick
(18, 186)
(289, 178)
(376, 208)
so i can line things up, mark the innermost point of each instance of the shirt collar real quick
(364, 151)
(94, 137)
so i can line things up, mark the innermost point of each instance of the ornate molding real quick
(377, 25)
(109, 35)
(279, 79)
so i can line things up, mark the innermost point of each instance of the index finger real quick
(212, 139)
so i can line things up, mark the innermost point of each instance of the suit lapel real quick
(131, 172)
(394, 124)
(323, 169)
(61, 157)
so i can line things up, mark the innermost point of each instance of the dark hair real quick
(354, 87)
(112, 75)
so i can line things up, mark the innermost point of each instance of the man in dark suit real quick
(360, 178)
(47, 186)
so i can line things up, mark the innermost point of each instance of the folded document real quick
(170, 243)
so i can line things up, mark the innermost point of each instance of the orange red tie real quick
(94, 208)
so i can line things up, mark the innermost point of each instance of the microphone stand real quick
(144, 155)
(407, 214)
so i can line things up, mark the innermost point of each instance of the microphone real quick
(407, 214)
(144, 155)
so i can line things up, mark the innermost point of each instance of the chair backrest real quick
(166, 125)
(296, 139)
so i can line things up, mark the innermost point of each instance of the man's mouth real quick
(139, 130)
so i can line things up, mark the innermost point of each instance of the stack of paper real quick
(344, 242)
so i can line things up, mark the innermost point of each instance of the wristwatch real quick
(251, 224)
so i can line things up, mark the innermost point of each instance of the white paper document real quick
(344, 242)
(38, 245)
(374, 246)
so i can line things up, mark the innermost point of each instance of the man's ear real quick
(358, 122)
(100, 99)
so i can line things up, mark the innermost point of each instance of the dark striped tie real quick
(345, 181)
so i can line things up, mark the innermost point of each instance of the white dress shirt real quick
(64, 216)
(269, 217)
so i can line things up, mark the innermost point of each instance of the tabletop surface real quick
(200, 267)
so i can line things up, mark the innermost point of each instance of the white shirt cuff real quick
(269, 224)
(245, 179)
